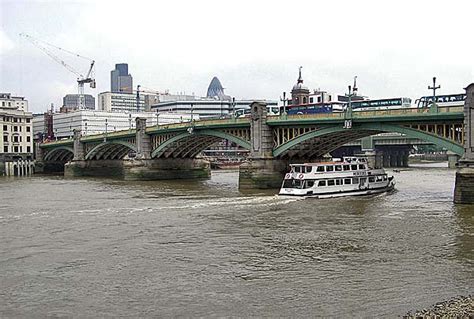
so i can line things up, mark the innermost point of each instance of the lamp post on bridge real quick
(284, 100)
(434, 88)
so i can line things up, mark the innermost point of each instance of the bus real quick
(441, 100)
(382, 104)
(271, 111)
(315, 108)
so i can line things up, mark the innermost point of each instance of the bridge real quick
(172, 151)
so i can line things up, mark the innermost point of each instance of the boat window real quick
(308, 169)
(363, 180)
(385, 177)
(293, 183)
(331, 182)
(329, 168)
(378, 178)
(347, 167)
(309, 184)
(338, 168)
(322, 183)
(355, 180)
(297, 169)
(347, 181)
(371, 179)
(354, 167)
(338, 181)
(361, 166)
(320, 169)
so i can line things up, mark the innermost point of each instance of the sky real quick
(394, 48)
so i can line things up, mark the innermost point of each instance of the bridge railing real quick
(376, 113)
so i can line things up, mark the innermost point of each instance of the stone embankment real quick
(458, 307)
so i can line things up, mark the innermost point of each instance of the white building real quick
(124, 102)
(15, 127)
(205, 107)
(16, 136)
(99, 122)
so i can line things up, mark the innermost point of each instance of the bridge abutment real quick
(464, 185)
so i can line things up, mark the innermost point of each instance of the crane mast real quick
(81, 79)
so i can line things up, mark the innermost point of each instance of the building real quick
(216, 104)
(125, 102)
(16, 143)
(120, 80)
(99, 122)
(71, 102)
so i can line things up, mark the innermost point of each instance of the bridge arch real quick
(61, 153)
(196, 142)
(362, 130)
(110, 150)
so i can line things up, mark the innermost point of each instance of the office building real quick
(71, 102)
(120, 80)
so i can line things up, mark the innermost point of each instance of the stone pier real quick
(261, 170)
(464, 185)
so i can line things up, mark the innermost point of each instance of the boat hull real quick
(363, 192)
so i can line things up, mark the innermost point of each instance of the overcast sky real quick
(253, 47)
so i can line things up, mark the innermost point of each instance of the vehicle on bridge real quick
(381, 104)
(271, 111)
(441, 100)
(349, 177)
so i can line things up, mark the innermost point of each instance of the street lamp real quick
(130, 122)
(192, 110)
(284, 102)
(157, 118)
(434, 88)
(106, 124)
(233, 107)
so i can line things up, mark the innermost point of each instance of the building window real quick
(5, 149)
(15, 139)
(310, 100)
(28, 149)
(304, 100)
(15, 129)
(5, 138)
(28, 120)
(15, 149)
(28, 139)
(28, 129)
(5, 128)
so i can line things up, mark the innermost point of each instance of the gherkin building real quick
(216, 91)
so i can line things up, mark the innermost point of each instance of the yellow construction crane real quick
(81, 79)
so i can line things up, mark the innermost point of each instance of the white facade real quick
(7, 101)
(124, 102)
(15, 126)
(204, 107)
(99, 122)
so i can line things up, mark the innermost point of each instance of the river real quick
(110, 248)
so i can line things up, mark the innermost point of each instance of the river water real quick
(109, 248)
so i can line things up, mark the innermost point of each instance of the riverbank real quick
(458, 307)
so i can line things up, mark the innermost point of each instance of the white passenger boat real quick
(351, 176)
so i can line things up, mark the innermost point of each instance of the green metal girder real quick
(60, 148)
(94, 151)
(220, 134)
(434, 139)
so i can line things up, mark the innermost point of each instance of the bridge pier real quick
(261, 170)
(464, 185)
